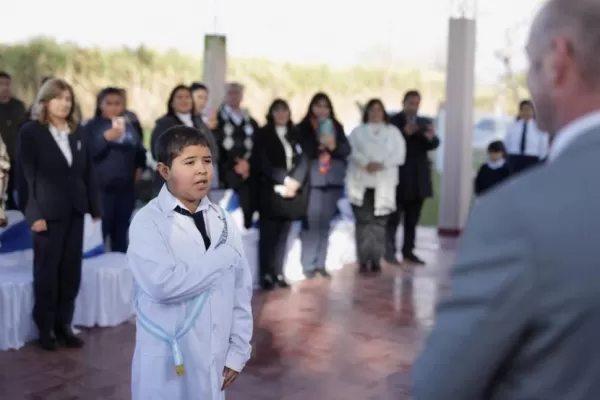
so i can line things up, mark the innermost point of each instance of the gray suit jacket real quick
(522, 321)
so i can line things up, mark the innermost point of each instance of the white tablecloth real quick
(105, 296)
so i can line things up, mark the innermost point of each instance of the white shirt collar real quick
(186, 118)
(571, 131)
(281, 130)
(229, 110)
(58, 134)
(168, 202)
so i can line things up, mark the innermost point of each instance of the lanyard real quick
(173, 341)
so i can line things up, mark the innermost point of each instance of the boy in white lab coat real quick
(192, 280)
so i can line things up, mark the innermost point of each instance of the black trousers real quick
(369, 230)
(11, 201)
(272, 244)
(247, 202)
(410, 212)
(117, 207)
(57, 272)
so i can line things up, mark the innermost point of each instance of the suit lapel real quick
(54, 144)
(75, 145)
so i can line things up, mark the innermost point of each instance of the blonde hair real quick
(51, 89)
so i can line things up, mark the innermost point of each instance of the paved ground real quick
(349, 338)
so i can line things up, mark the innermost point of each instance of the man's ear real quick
(163, 170)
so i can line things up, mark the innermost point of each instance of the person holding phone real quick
(119, 159)
(415, 184)
(324, 142)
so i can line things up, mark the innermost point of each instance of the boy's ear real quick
(163, 170)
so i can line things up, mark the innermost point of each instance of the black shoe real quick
(310, 275)
(48, 342)
(67, 338)
(376, 268)
(281, 282)
(363, 269)
(267, 282)
(413, 259)
(392, 261)
(323, 272)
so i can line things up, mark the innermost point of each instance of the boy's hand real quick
(229, 376)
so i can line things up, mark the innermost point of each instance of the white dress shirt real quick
(571, 131)
(287, 147)
(62, 140)
(536, 143)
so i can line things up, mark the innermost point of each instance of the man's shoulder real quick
(539, 193)
(17, 104)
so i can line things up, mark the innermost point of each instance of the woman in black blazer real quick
(61, 189)
(283, 171)
(180, 111)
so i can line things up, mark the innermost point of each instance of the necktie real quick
(524, 137)
(198, 221)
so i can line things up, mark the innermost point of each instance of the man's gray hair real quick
(234, 86)
(579, 22)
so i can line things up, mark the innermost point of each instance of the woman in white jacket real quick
(378, 150)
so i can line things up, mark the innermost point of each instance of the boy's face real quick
(191, 173)
(495, 155)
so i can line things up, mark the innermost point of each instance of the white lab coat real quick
(171, 267)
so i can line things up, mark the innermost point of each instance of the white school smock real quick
(171, 267)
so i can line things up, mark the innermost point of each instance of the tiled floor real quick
(349, 338)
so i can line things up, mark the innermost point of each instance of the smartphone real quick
(119, 122)
(326, 127)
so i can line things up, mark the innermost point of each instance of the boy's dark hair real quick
(5, 75)
(497, 146)
(411, 93)
(198, 86)
(171, 143)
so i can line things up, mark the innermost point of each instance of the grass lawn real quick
(431, 208)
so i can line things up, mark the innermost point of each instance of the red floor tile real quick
(348, 338)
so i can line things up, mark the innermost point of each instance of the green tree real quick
(149, 76)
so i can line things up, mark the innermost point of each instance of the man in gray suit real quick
(523, 319)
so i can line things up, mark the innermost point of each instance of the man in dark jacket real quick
(12, 114)
(415, 183)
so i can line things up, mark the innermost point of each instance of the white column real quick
(215, 68)
(457, 177)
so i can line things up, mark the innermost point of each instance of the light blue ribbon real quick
(192, 313)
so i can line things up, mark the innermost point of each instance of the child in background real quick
(4, 176)
(494, 170)
(193, 284)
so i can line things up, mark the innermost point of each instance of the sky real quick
(336, 32)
